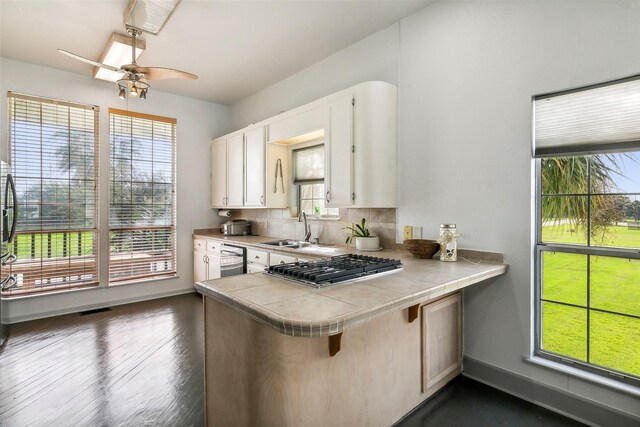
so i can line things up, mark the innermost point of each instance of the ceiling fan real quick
(135, 79)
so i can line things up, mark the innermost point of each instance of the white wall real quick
(466, 72)
(198, 122)
(373, 58)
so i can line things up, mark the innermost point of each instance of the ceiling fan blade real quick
(88, 61)
(158, 73)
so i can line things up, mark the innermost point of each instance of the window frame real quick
(540, 247)
(173, 185)
(52, 287)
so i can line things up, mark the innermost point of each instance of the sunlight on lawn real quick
(614, 339)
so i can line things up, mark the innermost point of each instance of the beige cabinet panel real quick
(441, 340)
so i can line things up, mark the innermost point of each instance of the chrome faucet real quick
(307, 229)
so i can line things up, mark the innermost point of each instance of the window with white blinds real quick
(601, 117)
(308, 165)
(53, 148)
(142, 208)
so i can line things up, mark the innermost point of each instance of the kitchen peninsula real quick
(278, 353)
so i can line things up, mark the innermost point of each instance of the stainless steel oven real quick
(232, 260)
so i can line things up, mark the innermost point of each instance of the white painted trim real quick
(582, 374)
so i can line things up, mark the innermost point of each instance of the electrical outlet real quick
(417, 232)
(408, 232)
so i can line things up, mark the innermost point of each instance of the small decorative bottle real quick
(448, 244)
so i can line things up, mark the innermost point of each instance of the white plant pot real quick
(367, 243)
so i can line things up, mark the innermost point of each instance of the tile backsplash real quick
(278, 223)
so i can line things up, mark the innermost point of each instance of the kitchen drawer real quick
(213, 246)
(257, 257)
(199, 245)
(276, 259)
(255, 268)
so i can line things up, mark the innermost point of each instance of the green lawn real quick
(40, 243)
(614, 339)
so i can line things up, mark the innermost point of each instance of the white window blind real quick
(142, 209)
(603, 117)
(308, 165)
(54, 158)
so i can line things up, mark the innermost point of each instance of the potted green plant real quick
(365, 241)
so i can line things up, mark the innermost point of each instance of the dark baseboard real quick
(557, 400)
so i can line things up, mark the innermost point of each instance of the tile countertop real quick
(302, 311)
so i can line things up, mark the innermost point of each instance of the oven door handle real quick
(230, 253)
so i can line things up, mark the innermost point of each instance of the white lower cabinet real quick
(255, 268)
(199, 266)
(275, 259)
(257, 260)
(206, 262)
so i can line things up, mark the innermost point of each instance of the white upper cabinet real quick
(375, 140)
(254, 161)
(304, 124)
(235, 175)
(241, 176)
(359, 127)
(227, 163)
(338, 146)
(219, 173)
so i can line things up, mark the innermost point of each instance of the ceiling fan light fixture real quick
(116, 52)
(123, 93)
(133, 85)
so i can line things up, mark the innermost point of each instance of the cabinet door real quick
(255, 268)
(254, 195)
(219, 173)
(235, 171)
(275, 259)
(213, 266)
(199, 266)
(441, 341)
(258, 257)
(338, 153)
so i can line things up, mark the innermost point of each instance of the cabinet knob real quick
(282, 262)
(327, 197)
(257, 257)
(262, 200)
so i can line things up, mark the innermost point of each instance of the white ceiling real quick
(236, 47)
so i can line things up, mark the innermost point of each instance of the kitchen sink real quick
(294, 244)
(287, 243)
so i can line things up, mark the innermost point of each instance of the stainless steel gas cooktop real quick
(334, 270)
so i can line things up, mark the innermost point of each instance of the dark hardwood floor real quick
(142, 364)
(135, 365)
(465, 402)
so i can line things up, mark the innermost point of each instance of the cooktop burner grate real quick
(334, 270)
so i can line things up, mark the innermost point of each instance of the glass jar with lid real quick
(448, 243)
